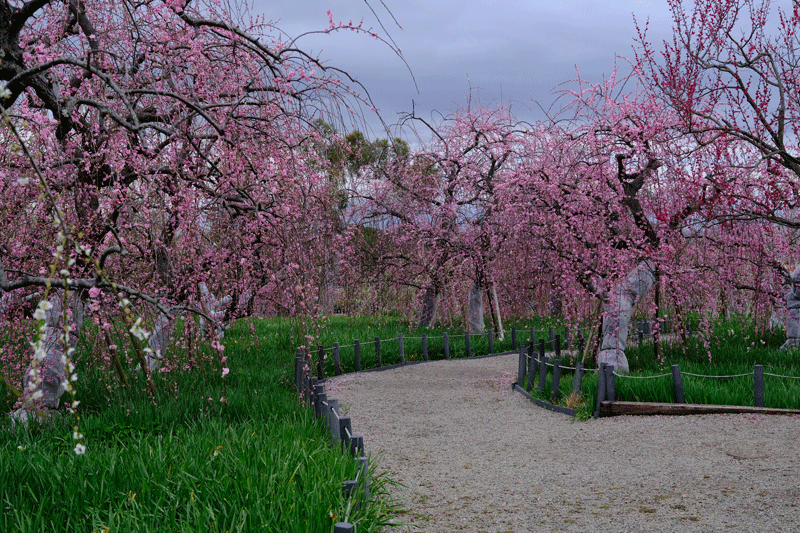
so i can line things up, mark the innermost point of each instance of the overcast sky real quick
(515, 51)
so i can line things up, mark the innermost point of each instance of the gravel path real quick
(474, 455)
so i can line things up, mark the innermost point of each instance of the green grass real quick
(735, 347)
(189, 462)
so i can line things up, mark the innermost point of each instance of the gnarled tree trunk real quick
(430, 303)
(475, 323)
(617, 311)
(159, 340)
(51, 368)
(214, 308)
(792, 292)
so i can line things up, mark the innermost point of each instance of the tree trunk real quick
(657, 324)
(430, 301)
(792, 292)
(214, 308)
(52, 367)
(494, 306)
(475, 323)
(617, 310)
(159, 340)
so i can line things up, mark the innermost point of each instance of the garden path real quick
(472, 455)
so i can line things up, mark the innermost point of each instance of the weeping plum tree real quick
(605, 199)
(155, 153)
(436, 211)
(731, 74)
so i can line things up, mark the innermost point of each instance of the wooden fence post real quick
(758, 377)
(345, 432)
(611, 392)
(401, 348)
(321, 362)
(298, 369)
(521, 368)
(556, 378)
(601, 388)
(542, 366)
(677, 384)
(577, 381)
(343, 527)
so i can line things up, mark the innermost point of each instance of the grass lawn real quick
(187, 462)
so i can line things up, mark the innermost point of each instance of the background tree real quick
(437, 211)
(731, 73)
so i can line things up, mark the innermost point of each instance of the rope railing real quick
(640, 377)
(717, 377)
(355, 491)
(780, 376)
(378, 356)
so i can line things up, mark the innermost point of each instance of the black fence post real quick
(601, 389)
(490, 337)
(321, 362)
(521, 368)
(514, 339)
(532, 365)
(319, 406)
(319, 390)
(542, 366)
(466, 344)
(558, 347)
(401, 348)
(424, 347)
(345, 432)
(378, 352)
(343, 527)
(337, 360)
(363, 461)
(556, 379)
(446, 345)
(551, 334)
(298, 369)
(577, 381)
(357, 354)
(611, 392)
(677, 384)
(758, 377)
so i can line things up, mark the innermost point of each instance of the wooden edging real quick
(547, 405)
(608, 408)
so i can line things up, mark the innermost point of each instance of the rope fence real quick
(383, 354)
(355, 491)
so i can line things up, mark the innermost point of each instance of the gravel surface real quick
(473, 455)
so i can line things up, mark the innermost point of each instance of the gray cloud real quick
(517, 51)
